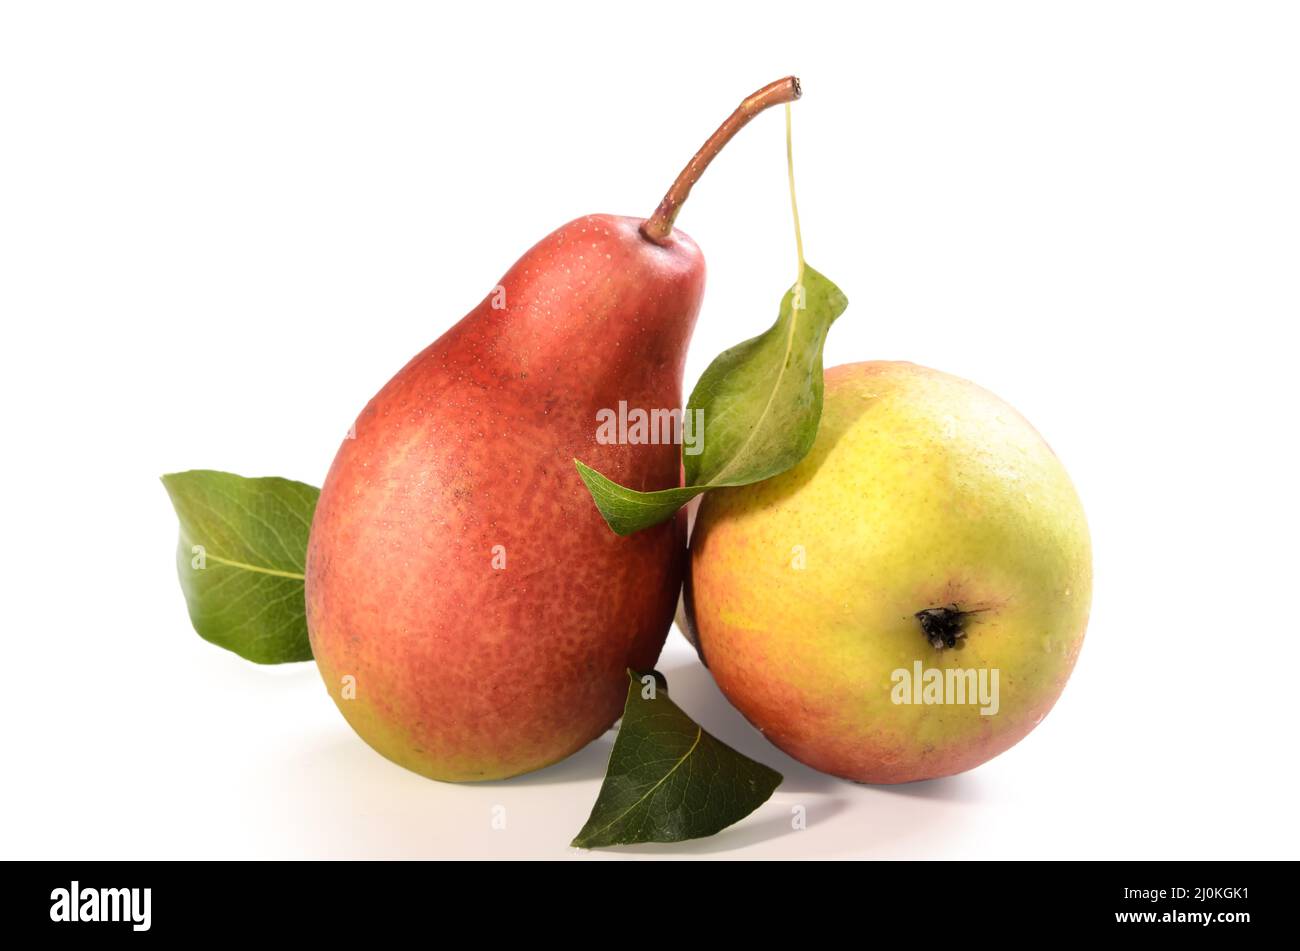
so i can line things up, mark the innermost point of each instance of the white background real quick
(224, 226)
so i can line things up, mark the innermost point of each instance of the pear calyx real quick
(943, 627)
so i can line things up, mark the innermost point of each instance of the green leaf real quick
(241, 558)
(762, 400)
(761, 403)
(627, 510)
(667, 779)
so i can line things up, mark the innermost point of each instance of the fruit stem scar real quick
(659, 225)
(943, 627)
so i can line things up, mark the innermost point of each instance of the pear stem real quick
(659, 226)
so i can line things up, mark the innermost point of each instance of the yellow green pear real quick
(909, 600)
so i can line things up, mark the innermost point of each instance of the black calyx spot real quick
(943, 627)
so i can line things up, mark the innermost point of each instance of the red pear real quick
(470, 612)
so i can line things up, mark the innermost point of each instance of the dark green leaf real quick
(243, 547)
(761, 403)
(668, 780)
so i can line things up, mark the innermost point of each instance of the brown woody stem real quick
(659, 225)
